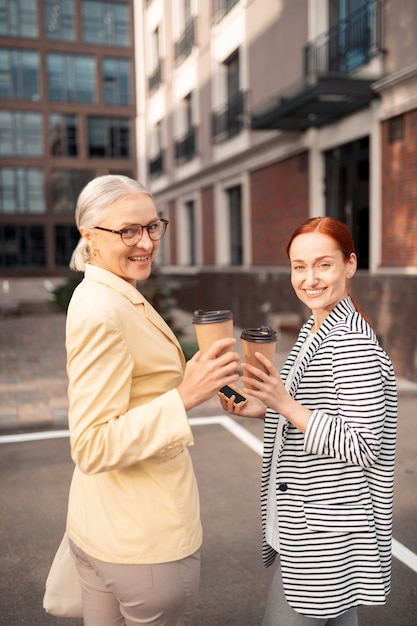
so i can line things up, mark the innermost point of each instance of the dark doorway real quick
(347, 191)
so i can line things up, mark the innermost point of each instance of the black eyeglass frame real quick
(120, 232)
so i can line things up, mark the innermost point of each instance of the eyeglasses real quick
(131, 235)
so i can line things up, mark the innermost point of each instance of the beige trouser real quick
(164, 594)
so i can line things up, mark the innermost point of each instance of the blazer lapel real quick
(134, 295)
(154, 317)
(340, 312)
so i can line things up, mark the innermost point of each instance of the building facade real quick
(67, 114)
(254, 115)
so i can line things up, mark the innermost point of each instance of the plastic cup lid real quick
(263, 334)
(211, 317)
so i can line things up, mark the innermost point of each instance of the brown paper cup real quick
(263, 340)
(211, 326)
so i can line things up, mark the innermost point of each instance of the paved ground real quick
(35, 476)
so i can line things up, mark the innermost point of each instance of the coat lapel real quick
(340, 312)
(155, 319)
(131, 293)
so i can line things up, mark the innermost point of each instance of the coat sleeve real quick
(354, 432)
(105, 433)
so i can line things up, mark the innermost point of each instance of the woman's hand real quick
(251, 408)
(269, 389)
(206, 373)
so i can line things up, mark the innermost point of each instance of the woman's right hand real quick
(206, 373)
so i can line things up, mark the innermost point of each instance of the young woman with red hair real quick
(329, 443)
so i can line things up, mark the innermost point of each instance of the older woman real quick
(330, 430)
(133, 513)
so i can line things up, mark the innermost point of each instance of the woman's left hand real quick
(268, 387)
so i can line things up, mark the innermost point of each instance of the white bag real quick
(63, 596)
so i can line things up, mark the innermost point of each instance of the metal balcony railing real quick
(185, 148)
(221, 7)
(185, 43)
(348, 44)
(155, 78)
(228, 121)
(156, 165)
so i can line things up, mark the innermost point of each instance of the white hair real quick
(94, 200)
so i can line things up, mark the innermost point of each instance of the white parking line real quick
(399, 551)
(40, 436)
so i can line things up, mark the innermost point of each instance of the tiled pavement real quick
(33, 383)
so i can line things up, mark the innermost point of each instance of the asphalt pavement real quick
(36, 468)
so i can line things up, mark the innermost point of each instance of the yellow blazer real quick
(133, 496)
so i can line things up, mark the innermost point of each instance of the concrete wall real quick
(399, 29)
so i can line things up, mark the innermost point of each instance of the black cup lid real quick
(263, 334)
(211, 317)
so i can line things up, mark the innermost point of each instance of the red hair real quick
(336, 230)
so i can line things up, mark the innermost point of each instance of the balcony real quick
(347, 45)
(185, 148)
(221, 7)
(155, 79)
(228, 120)
(156, 165)
(185, 43)
(328, 91)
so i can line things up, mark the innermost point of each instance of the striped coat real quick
(335, 482)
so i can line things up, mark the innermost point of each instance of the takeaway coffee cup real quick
(212, 325)
(262, 339)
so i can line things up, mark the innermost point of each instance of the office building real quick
(254, 115)
(67, 114)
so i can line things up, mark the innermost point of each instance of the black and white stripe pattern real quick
(335, 483)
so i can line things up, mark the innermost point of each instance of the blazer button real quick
(283, 486)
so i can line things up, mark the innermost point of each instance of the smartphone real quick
(228, 392)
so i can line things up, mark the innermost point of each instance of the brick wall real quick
(279, 203)
(399, 193)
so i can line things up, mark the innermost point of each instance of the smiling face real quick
(320, 273)
(132, 263)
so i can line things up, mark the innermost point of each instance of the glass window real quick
(109, 137)
(232, 75)
(63, 135)
(396, 128)
(155, 51)
(21, 190)
(106, 23)
(234, 195)
(18, 18)
(66, 186)
(20, 134)
(66, 239)
(191, 232)
(19, 74)
(116, 81)
(128, 173)
(71, 77)
(22, 246)
(60, 20)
